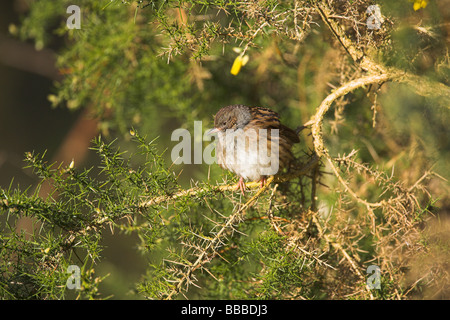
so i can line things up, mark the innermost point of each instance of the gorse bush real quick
(370, 171)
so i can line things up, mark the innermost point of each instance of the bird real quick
(246, 136)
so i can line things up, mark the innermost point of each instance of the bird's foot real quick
(262, 182)
(241, 185)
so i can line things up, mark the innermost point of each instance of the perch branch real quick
(249, 185)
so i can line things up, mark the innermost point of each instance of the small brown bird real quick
(252, 142)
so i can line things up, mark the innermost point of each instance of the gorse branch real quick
(217, 241)
(250, 185)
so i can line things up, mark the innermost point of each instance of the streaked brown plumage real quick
(239, 121)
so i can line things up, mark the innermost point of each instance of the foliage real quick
(160, 65)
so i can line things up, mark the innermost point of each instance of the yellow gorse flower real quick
(419, 4)
(238, 63)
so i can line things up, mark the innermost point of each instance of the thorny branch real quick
(214, 243)
(249, 185)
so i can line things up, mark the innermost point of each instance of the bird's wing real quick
(265, 118)
(269, 119)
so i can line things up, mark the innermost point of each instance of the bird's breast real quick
(248, 153)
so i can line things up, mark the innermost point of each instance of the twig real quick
(317, 120)
(358, 56)
(270, 212)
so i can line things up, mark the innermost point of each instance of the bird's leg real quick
(241, 185)
(263, 182)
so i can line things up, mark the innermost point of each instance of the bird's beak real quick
(212, 131)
